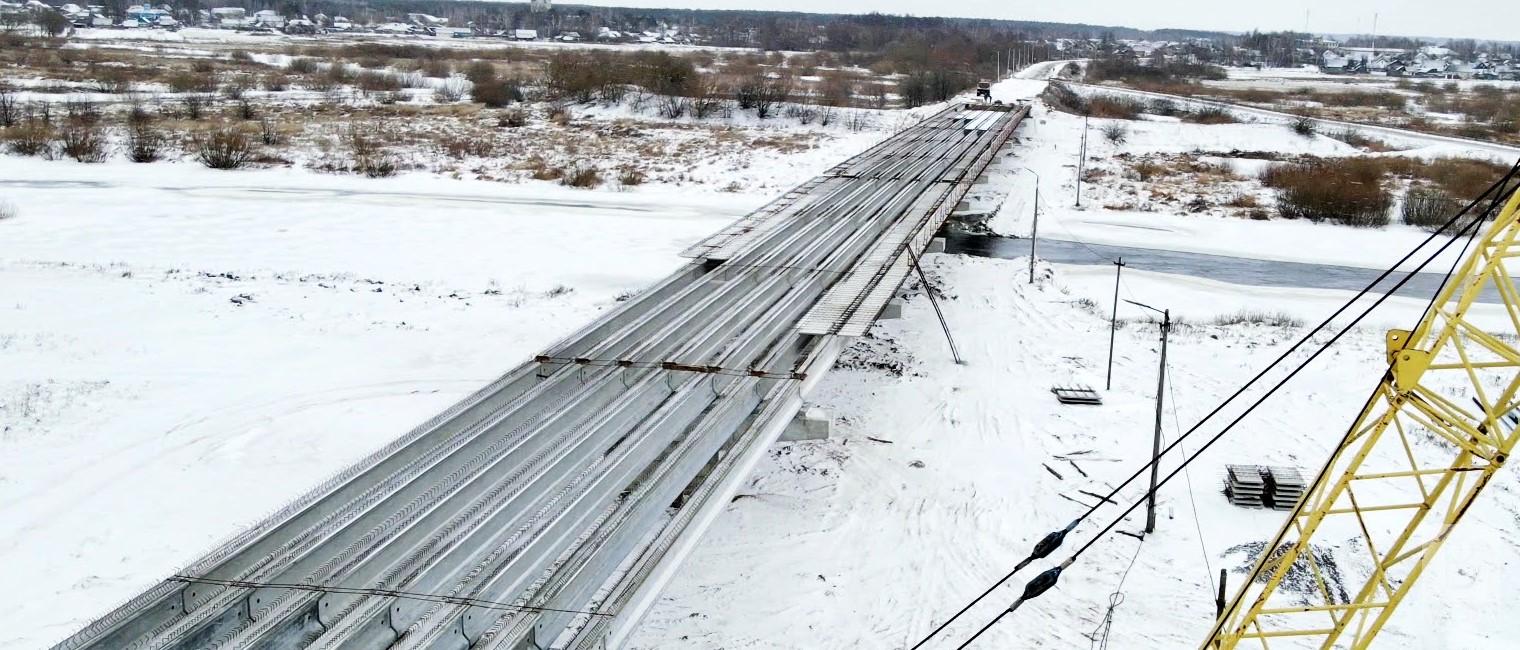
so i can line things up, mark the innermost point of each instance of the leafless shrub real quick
(78, 112)
(338, 72)
(275, 82)
(630, 176)
(674, 107)
(303, 65)
(144, 143)
(195, 105)
(225, 148)
(245, 110)
(31, 138)
(450, 91)
(1349, 192)
(367, 154)
(1302, 125)
(110, 80)
(191, 81)
(857, 121)
(370, 81)
(1429, 207)
(463, 147)
(803, 113)
(236, 86)
(761, 92)
(542, 171)
(1356, 138)
(437, 68)
(240, 56)
(10, 111)
(1210, 115)
(137, 113)
(707, 101)
(479, 72)
(826, 115)
(7, 210)
(1115, 107)
(84, 144)
(582, 176)
(1115, 133)
(496, 93)
(269, 133)
(411, 79)
(203, 66)
(39, 112)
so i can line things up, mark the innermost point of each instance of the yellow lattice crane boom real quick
(1428, 441)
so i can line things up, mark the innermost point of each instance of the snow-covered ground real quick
(186, 349)
(938, 477)
(183, 350)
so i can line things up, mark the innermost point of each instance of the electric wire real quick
(1187, 476)
(1115, 599)
(1054, 539)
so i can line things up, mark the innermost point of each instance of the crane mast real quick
(1429, 439)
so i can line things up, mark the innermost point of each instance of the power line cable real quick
(1047, 580)
(1187, 476)
(1053, 540)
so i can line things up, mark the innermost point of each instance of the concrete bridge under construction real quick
(549, 508)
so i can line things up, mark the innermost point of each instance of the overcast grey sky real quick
(1480, 19)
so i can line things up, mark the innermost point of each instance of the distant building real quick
(268, 18)
(426, 20)
(524, 34)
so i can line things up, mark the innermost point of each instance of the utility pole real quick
(1150, 505)
(1081, 161)
(1150, 497)
(1374, 34)
(1113, 325)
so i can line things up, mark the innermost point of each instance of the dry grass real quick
(31, 138)
(1210, 115)
(582, 176)
(1350, 192)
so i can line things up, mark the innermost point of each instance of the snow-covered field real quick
(183, 350)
